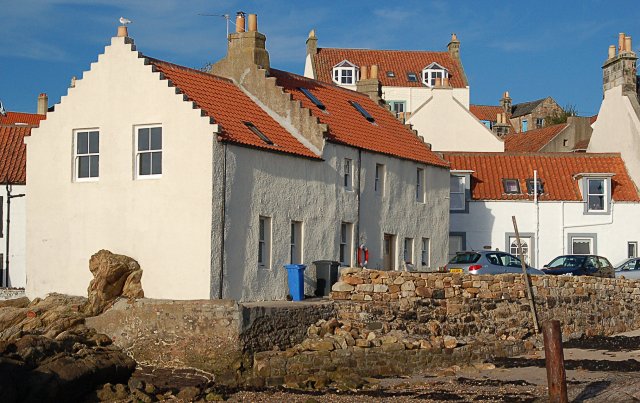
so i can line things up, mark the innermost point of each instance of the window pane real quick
(457, 201)
(94, 166)
(596, 186)
(83, 142)
(260, 252)
(596, 202)
(156, 163)
(456, 183)
(94, 142)
(83, 167)
(143, 139)
(261, 231)
(581, 246)
(156, 138)
(145, 164)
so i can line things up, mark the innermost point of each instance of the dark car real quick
(486, 262)
(580, 265)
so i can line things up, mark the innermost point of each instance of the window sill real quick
(148, 177)
(85, 180)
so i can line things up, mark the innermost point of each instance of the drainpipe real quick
(537, 207)
(222, 217)
(359, 198)
(564, 227)
(9, 197)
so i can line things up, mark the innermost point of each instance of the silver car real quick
(487, 262)
(629, 268)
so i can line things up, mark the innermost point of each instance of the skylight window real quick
(391, 74)
(511, 186)
(539, 186)
(312, 98)
(412, 77)
(362, 111)
(258, 133)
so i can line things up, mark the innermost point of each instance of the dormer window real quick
(345, 73)
(596, 192)
(432, 73)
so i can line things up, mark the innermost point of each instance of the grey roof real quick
(525, 108)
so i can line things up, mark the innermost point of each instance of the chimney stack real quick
(43, 104)
(369, 84)
(454, 47)
(122, 31)
(505, 102)
(620, 70)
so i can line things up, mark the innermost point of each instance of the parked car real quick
(580, 265)
(629, 268)
(487, 262)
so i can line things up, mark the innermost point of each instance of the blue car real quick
(580, 265)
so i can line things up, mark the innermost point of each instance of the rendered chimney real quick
(43, 104)
(374, 72)
(505, 102)
(369, 84)
(612, 51)
(239, 21)
(454, 46)
(244, 49)
(621, 70)
(364, 72)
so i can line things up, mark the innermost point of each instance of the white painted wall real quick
(17, 275)
(163, 223)
(415, 97)
(488, 221)
(448, 125)
(618, 130)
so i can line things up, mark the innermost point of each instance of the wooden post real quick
(554, 358)
(525, 277)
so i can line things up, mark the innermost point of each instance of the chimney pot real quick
(239, 21)
(506, 94)
(374, 72)
(627, 44)
(454, 37)
(122, 31)
(612, 51)
(363, 73)
(43, 104)
(621, 42)
(253, 22)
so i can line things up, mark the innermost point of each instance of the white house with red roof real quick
(428, 90)
(585, 204)
(215, 180)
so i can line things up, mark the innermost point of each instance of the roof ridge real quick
(389, 50)
(533, 154)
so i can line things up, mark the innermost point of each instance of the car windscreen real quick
(566, 261)
(465, 258)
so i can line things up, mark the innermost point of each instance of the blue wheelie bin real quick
(295, 274)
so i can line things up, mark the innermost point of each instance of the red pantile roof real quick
(532, 140)
(486, 112)
(223, 101)
(400, 62)
(387, 135)
(555, 170)
(592, 119)
(13, 154)
(13, 118)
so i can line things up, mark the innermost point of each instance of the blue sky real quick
(532, 49)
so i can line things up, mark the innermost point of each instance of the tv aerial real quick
(225, 16)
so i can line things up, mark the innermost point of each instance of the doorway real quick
(388, 252)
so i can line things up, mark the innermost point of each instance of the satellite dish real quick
(3, 112)
(125, 21)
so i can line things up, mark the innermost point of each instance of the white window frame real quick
(420, 185)
(139, 153)
(296, 237)
(462, 185)
(379, 178)
(630, 245)
(605, 200)
(539, 123)
(433, 71)
(347, 173)
(394, 107)
(407, 251)
(340, 70)
(588, 240)
(264, 242)
(346, 244)
(425, 255)
(88, 154)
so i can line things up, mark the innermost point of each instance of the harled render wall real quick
(288, 188)
(165, 224)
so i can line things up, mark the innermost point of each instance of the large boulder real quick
(113, 276)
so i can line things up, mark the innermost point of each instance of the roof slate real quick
(524, 108)
(387, 135)
(13, 153)
(400, 62)
(223, 101)
(555, 170)
(532, 140)
(13, 118)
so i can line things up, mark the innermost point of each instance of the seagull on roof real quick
(3, 112)
(124, 21)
